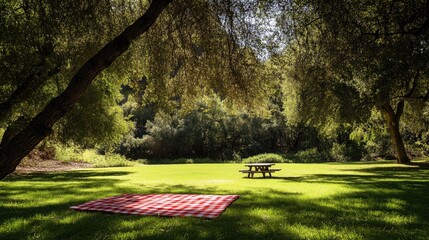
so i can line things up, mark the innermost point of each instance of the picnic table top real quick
(259, 164)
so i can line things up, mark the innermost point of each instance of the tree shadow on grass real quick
(386, 203)
(65, 176)
(26, 211)
(56, 184)
(39, 190)
(36, 219)
(396, 196)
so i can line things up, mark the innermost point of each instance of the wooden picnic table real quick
(259, 168)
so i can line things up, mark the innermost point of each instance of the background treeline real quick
(212, 130)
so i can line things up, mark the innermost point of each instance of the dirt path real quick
(42, 161)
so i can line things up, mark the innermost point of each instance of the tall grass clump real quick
(74, 154)
(108, 160)
(65, 153)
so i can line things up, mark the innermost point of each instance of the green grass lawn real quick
(303, 201)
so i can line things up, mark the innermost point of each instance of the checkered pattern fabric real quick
(172, 205)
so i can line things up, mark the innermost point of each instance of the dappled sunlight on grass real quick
(303, 201)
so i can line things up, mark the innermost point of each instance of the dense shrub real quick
(373, 137)
(417, 144)
(265, 158)
(211, 130)
(346, 152)
(134, 147)
(76, 154)
(214, 132)
(311, 155)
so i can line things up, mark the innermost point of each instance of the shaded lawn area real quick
(303, 201)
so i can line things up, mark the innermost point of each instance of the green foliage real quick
(46, 42)
(1, 132)
(96, 120)
(134, 148)
(265, 158)
(415, 128)
(346, 152)
(418, 144)
(373, 136)
(185, 91)
(67, 154)
(74, 154)
(202, 54)
(311, 155)
(211, 129)
(107, 160)
(346, 58)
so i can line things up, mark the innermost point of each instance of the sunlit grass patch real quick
(302, 201)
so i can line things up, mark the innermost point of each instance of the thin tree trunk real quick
(19, 146)
(392, 120)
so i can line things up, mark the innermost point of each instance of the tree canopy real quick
(15, 147)
(55, 41)
(47, 42)
(329, 63)
(348, 57)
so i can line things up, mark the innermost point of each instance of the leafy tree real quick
(15, 148)
(54, 33)
(373, 136)
(349, 57)
(46, 43)
(210, 128)
(201, 52)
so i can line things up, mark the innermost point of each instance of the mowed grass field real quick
(303, 201)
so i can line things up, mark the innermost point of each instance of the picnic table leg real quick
(270, 174)
(263, 174)
(248, 175)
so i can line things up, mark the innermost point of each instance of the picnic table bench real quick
(259, 168)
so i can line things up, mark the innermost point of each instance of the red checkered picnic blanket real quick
(173, 205)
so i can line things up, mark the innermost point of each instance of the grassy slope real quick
(304, 201)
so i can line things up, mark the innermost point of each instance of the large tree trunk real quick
(12, 152)
(392, 120)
